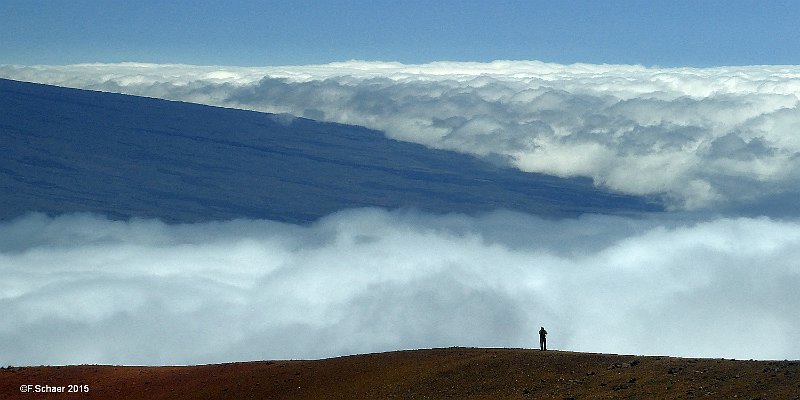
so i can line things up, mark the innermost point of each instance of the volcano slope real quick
(464, 373)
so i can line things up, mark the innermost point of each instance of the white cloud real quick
(700, 137)
(84, 289)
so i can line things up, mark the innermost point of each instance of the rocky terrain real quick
(459, 373)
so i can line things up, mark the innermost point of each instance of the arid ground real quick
(459, 373)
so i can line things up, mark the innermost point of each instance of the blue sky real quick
(257, 33)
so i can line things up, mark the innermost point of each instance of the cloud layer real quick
(84, 289)
(713, 137)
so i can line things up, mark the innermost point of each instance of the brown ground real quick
(459, 373)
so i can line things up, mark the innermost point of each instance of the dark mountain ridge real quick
(70, 150)
(457, 373)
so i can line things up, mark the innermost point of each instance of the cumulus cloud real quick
(697, 137)
(84, 289)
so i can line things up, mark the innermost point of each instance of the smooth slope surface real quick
(68, 150)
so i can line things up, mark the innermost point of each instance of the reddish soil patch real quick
(458, 373)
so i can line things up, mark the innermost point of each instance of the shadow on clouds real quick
(706, 137)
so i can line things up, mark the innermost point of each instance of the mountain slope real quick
(462, 373)
(68, 150)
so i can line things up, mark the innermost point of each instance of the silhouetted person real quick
(542, 339)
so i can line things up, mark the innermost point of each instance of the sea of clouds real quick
(699, 138)
(84, 289)
(713, 278)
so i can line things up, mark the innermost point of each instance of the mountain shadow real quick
(69, 150)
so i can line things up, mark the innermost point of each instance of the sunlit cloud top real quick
(83, 289)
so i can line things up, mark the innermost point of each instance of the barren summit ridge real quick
(464, 373)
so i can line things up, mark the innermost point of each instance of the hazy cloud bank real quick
(84, 289)
(701, 137)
